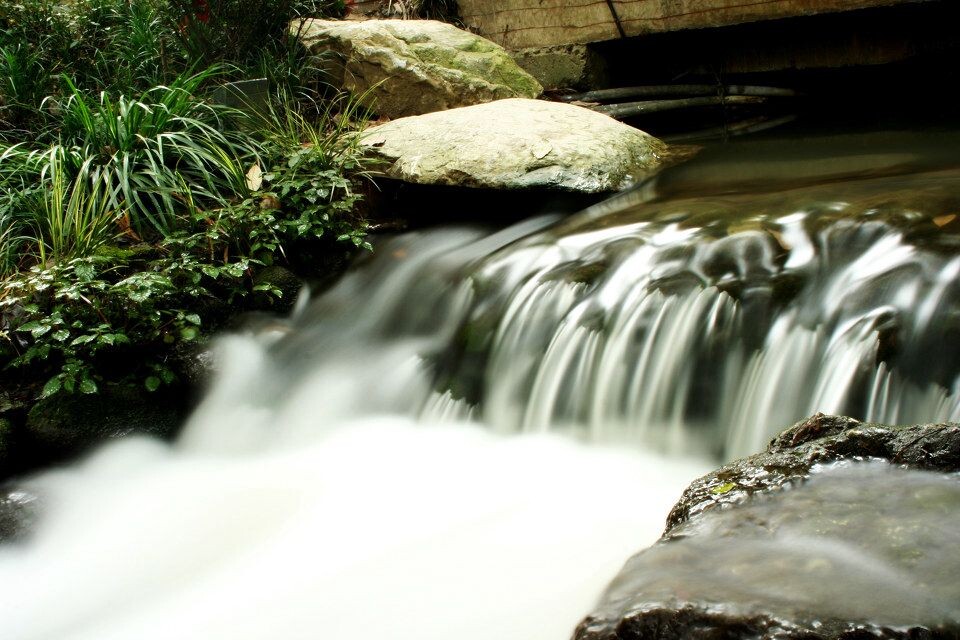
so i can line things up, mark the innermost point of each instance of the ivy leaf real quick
(88, 386)
(139, 295)
(33, 326)
(152, 383)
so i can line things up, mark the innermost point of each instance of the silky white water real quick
(404, 457)
(301, 502)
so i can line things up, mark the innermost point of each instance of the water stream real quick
(472, 431)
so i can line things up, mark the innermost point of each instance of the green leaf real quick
(85, 271)
(53, 385)
(31, 326)
(189, 333)
(139, 295)
(152, 383)
(88, 386)
(192, 319)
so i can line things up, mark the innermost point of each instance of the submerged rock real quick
(408, 67)
(517, 144)
(819, 537)
(19, 508)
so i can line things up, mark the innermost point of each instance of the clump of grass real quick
(76, 216)
(150, 146)
(143, 150)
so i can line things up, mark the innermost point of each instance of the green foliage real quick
(139, 156)
(114, 45)
(311, 169)
(76, 210)
(237, 30)
(65, 318)
(134, 212)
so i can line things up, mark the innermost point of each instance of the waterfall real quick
(712, 338)
(403, 456)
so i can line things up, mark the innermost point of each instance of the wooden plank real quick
(538, 23)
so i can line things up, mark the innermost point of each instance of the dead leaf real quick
(126, 229)
(255, 178)
(942, 221)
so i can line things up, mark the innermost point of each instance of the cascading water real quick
(710, 324)
(303, 500)
(341, 479)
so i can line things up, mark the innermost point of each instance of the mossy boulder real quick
(409, 67)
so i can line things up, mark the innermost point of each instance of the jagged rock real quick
(818, 440)
(834, 532)
(409, 67)
(516, 144)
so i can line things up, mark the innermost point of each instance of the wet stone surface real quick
(818, 537)
(18, 512)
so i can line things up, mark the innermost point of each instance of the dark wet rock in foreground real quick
(840, 530)
(18, 512)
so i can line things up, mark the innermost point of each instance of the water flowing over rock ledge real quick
(832, 532)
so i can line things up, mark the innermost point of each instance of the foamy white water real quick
(304, 501)
(330, 485)
(374, 528)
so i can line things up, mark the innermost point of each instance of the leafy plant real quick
(312, 168)
(139, 153)
(76, 213)
(134, 214)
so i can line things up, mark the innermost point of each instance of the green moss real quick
(484, 61)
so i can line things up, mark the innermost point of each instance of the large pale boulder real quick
(409, 67)
(516, 144)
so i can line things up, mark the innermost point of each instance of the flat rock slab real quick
(517, 144)
(841, 530)
(409, 67)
